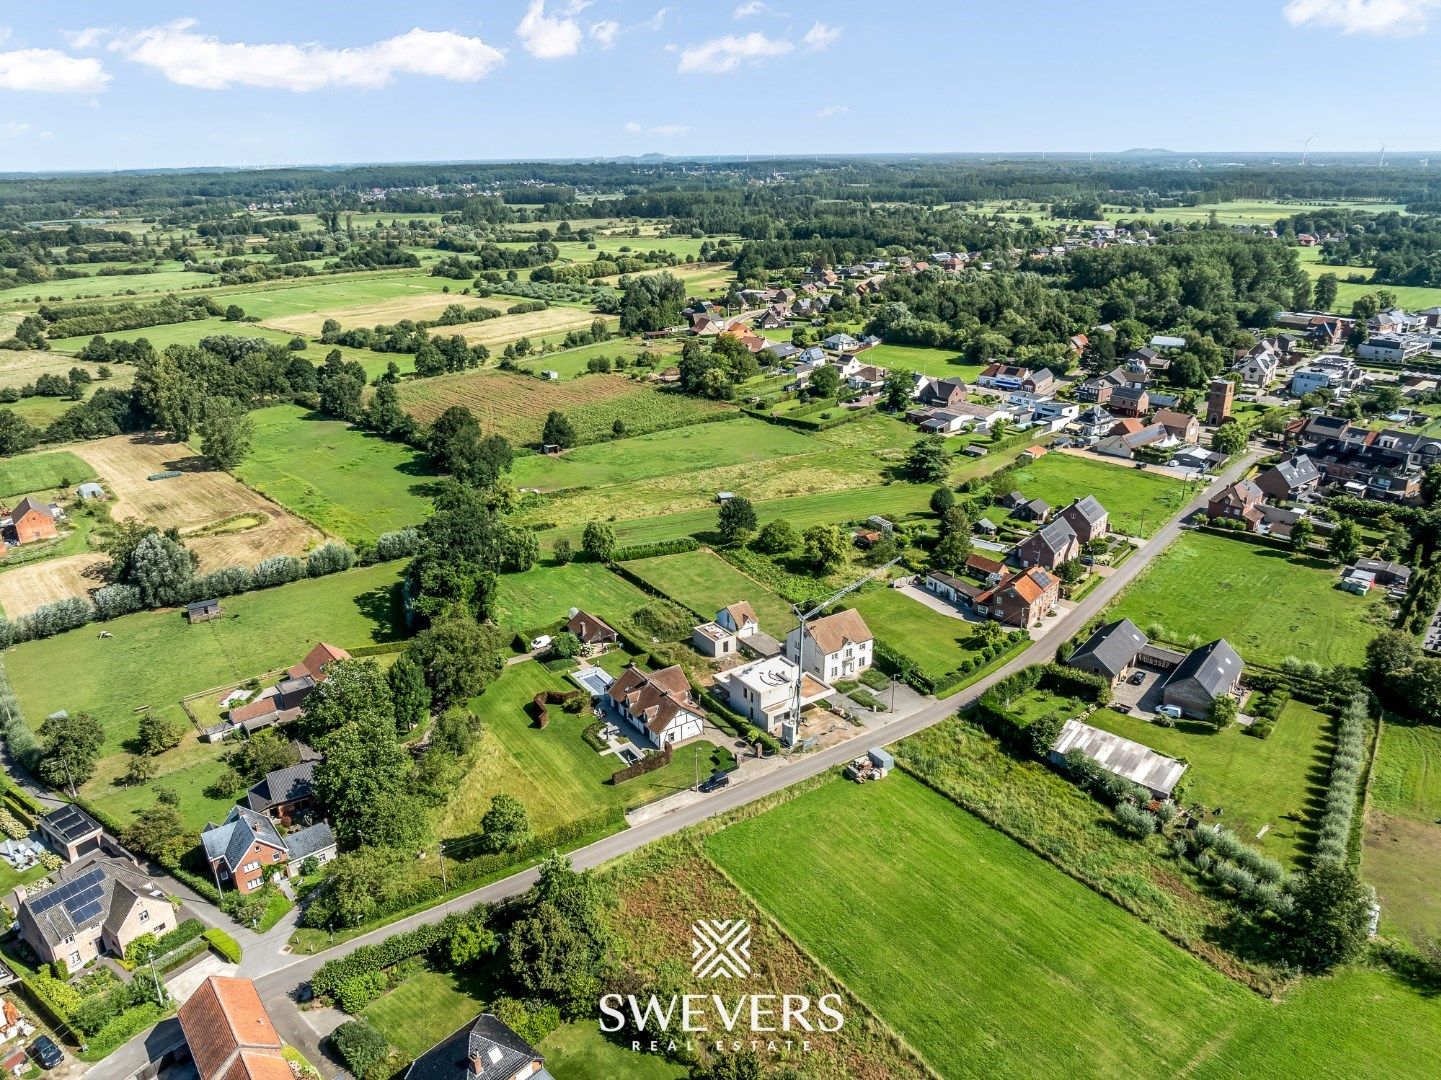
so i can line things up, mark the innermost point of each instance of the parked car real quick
(714, 782)
(1172, 711)
(542, 642)
(1137, 678)
(46, 1052)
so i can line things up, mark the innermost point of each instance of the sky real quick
(149, 83)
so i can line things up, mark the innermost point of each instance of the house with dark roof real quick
(658, 705)
(485, 1049)
(1049, 546)
(595, 634)
(285, 794)
(230, 1035)
(1111, 651)
(1129, 400)
(1092, 423)
(97, 905)
(1037, 510)
(1239, 502)
(1206, 675)
(71, 832)
(1087, 518)
(242, 847)
(1290, 478)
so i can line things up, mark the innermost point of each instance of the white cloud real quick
(820, 37)
(722, 54)
(51, 71)
(663, 130)
(88, 38)
(11, 129)
(605, 32)
(658, 18)
(1394, 18)
(185, 56)
(547, 38)
(832, 110)
(749, 8)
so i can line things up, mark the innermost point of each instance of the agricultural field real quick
(551, 770)
(1266, 603)
(25, 587)
(705, 583)
(544, 595)
(1030, 933)
(418, 306)
(701, 446)
(1410, 297)
(1402, 854)
(572, 363)
(1240, 212)
(222, 520)
(343, 481)
(18, 369)
(1269, 784)
(551, 323)
(45, 470)
(1139, 501)
(316, 299)
(181, 333)
(516, 405)
(260, 632)
(22, 297)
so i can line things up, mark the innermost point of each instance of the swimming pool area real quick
(593, 679)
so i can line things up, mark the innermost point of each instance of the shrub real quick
(329, 558)
(360, 1046)
(224, 944)
(113, 601)
(1135, 820)
(398, 544)
(358, 991)
(277, 570)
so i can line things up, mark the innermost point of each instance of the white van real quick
(1173, 711)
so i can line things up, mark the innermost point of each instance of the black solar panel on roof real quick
(86, 913)
(77, 895)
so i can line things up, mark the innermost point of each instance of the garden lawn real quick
(543, 595)
(954, 934)
(155, 659)
(934, 641)
(425, 1008)
(1266, 603)
(940, 363)
(700, 446)
(1140, 502)
(551, 770)
(1402, 855)
(343, 481)
(705, 583)
(578, 1051)
(32, 473)
(1272, 783)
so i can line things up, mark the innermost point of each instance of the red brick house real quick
(1021, 599)
(33, 520)
(245, 844)
(1239, 502)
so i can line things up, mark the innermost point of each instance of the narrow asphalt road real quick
(278, 976)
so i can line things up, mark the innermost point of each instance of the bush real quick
(1333, 839)
(331, 558)
(673, 546)
(113, 601)
(224, 944)
(358, 991)
(400, 544)
(277, 570)
(327, 980)
(360, 1046)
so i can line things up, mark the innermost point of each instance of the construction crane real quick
(802, 618)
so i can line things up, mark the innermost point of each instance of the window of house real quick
(250, 867)
(253, 884)
(144, 915)
(75, 957)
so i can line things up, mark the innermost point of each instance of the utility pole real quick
(159, 993)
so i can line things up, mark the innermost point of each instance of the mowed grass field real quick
(43, 471)
(954, 934)
(942, 363)
(1274, 784)
(700, 446)
(934, 641)
(550, 770)
(516, 405)
(1402, 855)
(544, 595)
(1260, 599)
(994, 964)
(705, 583)
(540, 325)
(343, 481)
(1139, 501)
(153, 660)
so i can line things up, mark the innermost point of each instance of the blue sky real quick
(265, 83)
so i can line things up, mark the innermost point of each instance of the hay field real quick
(419, 306)
(26, 588)
(531, 324)
(199, 500)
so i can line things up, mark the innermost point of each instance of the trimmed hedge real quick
(647, 764)
(224, 944)
(674, 546)
(369, 959)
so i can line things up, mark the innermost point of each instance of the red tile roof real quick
(230, 1034)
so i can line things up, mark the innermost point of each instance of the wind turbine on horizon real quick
(1306, 147)
(1381, 162)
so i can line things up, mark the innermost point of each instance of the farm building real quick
(202, 611)
(90, 491)
(1139, 764)
(1207, 674)
(32, 520)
